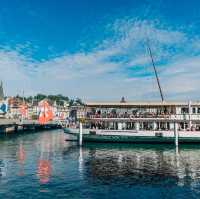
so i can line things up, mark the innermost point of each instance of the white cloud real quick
(13, 71)
(105, 73)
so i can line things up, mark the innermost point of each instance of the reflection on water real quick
(157, 166)
(2, 169)
(135, 166)
(146, 165)
(44, 165)
(21, 155)
(44, 170)
(80, 160)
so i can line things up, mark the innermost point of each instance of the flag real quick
(45, 112)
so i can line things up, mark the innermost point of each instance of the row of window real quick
(194, 110)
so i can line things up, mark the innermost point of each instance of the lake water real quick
(44, 165)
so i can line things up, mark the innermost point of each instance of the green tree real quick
(78, 101)
(40, 97)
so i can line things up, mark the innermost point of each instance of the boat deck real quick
(134, 133)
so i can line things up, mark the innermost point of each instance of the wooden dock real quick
(11, 125)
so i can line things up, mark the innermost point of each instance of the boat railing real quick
(183, 117)
(186, 116)
(129, 116)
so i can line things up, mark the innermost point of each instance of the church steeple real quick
(1, 91)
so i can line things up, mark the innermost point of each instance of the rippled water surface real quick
(44, 165)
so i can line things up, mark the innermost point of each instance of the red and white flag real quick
(45, 112)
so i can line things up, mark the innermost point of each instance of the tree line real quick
(59, 99)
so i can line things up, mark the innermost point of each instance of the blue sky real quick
(96, 50)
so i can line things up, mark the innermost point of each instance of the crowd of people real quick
(98, 114)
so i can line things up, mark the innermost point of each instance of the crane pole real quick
(155, 71)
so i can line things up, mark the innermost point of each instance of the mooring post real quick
(176, 133)
(16, 128)
(189, 113)
(81, 134)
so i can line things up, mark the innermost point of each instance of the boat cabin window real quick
(198, 110)
(193, 110)
(184, 110)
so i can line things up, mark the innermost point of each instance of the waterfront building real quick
(14, 109)
(14, 105)
(61, 112)
(32, 109)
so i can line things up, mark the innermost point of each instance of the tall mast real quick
(155, 71)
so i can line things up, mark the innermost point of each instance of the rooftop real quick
(139, 103)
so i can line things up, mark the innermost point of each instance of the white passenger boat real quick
(140, 122)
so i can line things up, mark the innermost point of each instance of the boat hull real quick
(87, 137)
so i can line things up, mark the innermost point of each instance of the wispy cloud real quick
(114, 68)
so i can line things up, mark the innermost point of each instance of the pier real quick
(11, 125)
